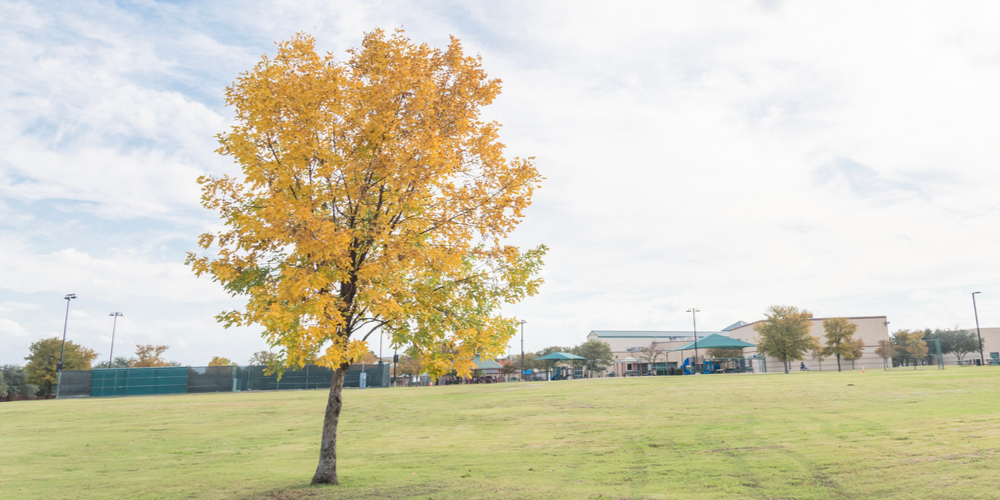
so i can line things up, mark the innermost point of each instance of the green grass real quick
(902, 434)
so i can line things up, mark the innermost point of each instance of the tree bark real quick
(838, 363)
(786, 365)
(326, 471)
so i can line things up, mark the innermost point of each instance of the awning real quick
(485, 364)
(715, 341)
(560, 356)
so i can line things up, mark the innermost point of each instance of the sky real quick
(836, 156)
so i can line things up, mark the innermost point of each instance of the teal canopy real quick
(715, 341)
(560, 356)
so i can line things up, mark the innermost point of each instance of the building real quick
(629, 344)
(871, 330)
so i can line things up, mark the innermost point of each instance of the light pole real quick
(111, 356)
(68, 297)
(694, 321)
(982, 360)
(522, 348)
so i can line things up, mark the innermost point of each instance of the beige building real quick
(629, 344)
(991, 348)
(871, 329)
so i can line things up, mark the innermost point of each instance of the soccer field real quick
(903, 434)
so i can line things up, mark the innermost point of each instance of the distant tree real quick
(409, 365)
(857, 351)
(150, 356)
(44, 356)
(16, 379)
(651, 353)
(263, 358)
(910, 345)
(369, 358)
(784, 334)
(886, 350)
(598, 353)
(507, 367)
(219, 361)
(818, 355)
(3, 386)
(957, 342)
(839, 333)
(119, 362)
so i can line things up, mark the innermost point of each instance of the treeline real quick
(598, 354)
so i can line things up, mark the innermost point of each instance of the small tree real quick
(784, 334)
(910, 345)
(263, 358)
(44, 358)
(220, 361)
(958, 342)
(857, 350)
(886, 350)
(651, 353)
(839, 333)
(150, 356)
(818, 355)
(409, 366)
(16, 379)
(598, 353)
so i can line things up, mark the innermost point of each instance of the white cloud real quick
(12, 328)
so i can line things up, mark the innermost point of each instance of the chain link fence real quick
(198, 379)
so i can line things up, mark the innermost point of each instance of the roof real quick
(715, 342)
(485, 364)
(735, 325)
(645, 334)
(559, 356)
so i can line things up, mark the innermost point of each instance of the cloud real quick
(12, 328)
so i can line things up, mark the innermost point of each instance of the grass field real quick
(924, 434)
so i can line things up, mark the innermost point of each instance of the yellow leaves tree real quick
(43, 360)
(149, 356)
(784, 334)
(372, 195)
(839, 334)
(910, 345)
(220, 361)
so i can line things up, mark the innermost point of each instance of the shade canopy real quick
(560, 356)
(715, 341)
(485, 364)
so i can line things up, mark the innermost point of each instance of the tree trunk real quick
(786, 365)
(838, 363)
(326, 471)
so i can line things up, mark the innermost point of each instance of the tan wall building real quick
(871, 329)
(991, 347)
(628, 344)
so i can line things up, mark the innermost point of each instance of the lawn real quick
(901, 434)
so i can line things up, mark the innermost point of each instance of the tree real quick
(219, 361)
(819, 355)
(598, 353)
(725, 353)
(119, 362)
(910, 345)
(839, 333)
(16, 379)
(957, 342)
(149, 356)
(371, 196)
(857, 351)
(263, 358)
(43, 358)
(784, 334)
(651, 353)
(886, 350)
(409, 366)
(508, 367)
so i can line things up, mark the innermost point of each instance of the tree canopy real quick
(150, 356)
(371, 195)
(598, 353)
(784, 334)
(43, 359)
(910, 345)
(220, 361)
(16, 380)
(839, 335)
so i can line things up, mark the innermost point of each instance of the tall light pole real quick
(694, 321)
(522, 348)
(982, 360)
(111, 356)
(62, 350)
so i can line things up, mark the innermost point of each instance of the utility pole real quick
(111, 356)
(522, 348)
(982, 359)
(62, 350)
(694, 321)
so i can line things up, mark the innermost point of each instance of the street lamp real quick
(111, 357)
(68, 297)
(694, 321)
(522, 348)
(982, 360)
